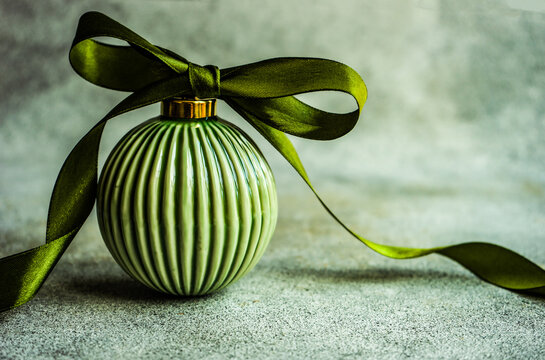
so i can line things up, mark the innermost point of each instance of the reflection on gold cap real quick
(188, 108)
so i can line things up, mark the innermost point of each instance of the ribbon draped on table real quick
(262, 93)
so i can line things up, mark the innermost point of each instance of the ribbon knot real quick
(204, 80)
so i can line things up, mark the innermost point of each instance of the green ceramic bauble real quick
(186, 201)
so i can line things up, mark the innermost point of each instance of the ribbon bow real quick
(262, 93)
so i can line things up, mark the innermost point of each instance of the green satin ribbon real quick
(262, 93)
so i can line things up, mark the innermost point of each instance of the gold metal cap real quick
(188, 108)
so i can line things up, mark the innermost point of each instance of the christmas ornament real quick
(186, 201)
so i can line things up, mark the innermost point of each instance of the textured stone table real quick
(449, 149)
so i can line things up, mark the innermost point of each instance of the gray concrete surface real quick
(449, 148)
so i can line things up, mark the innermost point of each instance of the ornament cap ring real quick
(188, 108)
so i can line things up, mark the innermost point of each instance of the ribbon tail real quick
(492, 263)
(22, 275)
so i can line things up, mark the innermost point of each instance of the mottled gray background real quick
(450, 148)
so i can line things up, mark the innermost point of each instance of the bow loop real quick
(204, 80)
